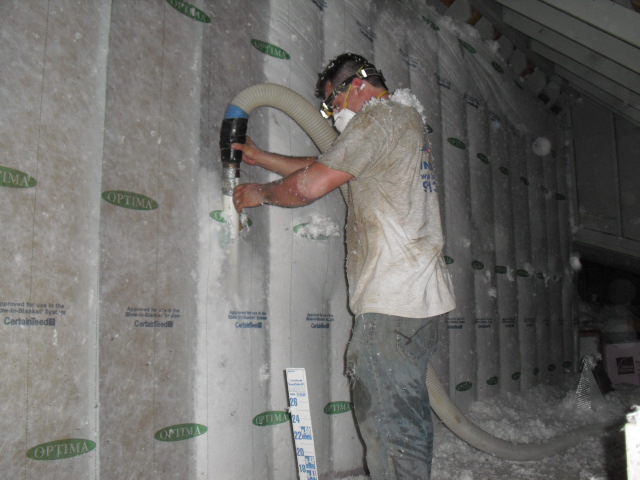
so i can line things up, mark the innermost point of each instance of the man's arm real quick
(280, 164)
(302, 187)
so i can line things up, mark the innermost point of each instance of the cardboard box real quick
(623, 362)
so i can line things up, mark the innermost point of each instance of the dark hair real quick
(341, 68)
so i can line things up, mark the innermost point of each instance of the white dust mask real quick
(342, 118)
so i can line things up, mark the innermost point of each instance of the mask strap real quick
(386, 91)
(347, 97)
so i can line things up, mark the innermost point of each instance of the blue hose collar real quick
(235, 112)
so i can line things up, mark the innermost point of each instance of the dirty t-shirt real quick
(395, 264)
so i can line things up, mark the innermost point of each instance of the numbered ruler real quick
(301, 423)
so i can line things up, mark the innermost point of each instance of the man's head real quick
(345, 71)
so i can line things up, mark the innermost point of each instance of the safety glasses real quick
(326, 109)
(365, 71)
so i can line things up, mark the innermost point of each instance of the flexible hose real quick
(309, 118)
(277, 96)
(476, 437)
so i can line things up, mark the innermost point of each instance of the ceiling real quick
(564, 47)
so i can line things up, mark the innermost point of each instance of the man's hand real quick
(281, 164)
(250, 152)
(247, 195)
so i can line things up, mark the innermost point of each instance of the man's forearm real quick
(282, 164)
(285, 192)
(302, 187)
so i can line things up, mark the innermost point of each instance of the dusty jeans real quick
(387, 361)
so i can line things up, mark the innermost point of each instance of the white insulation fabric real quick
(140, 339)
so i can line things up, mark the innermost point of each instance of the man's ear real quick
(356, 83)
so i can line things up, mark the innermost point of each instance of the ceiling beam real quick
(567, 46)
(492, 12)
(601, 97)
(605, 67)
(543, 18)
(591, 75)
(604, 15)
(616, 252)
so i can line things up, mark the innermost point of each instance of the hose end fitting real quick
(233, 130)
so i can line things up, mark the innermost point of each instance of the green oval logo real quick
(536, 371)
(270, 50)
(560, 196)
(431, 23)
(60, 449)
(448, 260)
(521, 272)
(133, 201)
(218, 216)
(456, 143)
(477, 265)
(524, 181)
(467, 46)
(551, 367)
(189, 10)
(500, 269)
(272, 417)
(497, 67)
(483, 158)
(516, 376)
(335, 408)
(504, 170)
(492, 381)
(176, 433)
(464, 386)
(12, 178)
(566, 364)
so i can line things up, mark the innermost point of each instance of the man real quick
(398, 283)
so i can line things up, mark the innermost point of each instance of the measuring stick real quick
(301, 424)
(632, 436)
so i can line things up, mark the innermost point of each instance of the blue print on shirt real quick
(428, 174)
